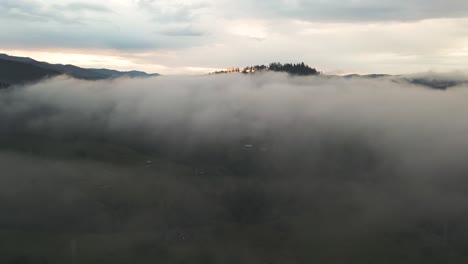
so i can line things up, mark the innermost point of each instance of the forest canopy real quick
(291, 68)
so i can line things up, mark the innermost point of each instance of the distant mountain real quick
(435, 83)
(115, 74)
(55, 69)
(368, 76)
(14, 72)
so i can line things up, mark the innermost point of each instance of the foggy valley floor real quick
(263, 168)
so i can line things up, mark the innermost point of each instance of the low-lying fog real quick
(261, 168)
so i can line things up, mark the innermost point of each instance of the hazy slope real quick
(12, 72)
(115, 73)
(77, 72)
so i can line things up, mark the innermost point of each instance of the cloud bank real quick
(306, 167)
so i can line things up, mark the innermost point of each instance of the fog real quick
(263, 168)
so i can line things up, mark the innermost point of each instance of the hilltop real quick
(293, 69)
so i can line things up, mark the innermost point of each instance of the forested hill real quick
(17, 70)
(14, 72)
(291, 68)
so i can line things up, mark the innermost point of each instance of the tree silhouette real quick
(293, 69)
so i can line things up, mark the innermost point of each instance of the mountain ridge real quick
(14, 70)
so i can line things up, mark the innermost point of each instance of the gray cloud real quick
(76, 36)
(354, 11)
(27, 11)
(230, 107)
(181, 32)
(77, 6)
(172, 12)
(375, 166)
(86, 25)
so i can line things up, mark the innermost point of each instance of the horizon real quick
(200, 36)
(204, 71)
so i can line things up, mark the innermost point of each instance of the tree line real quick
(291, 68)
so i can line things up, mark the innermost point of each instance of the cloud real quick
(172, 12)
(78, 6)
(353, 11)
(119, 26)
(191, 108)
(182, 32)
(363, 164)
(26, 11)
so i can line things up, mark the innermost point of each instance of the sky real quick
(199, 36)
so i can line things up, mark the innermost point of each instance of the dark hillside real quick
(75, 71)
(12, 72)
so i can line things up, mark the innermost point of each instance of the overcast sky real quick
(197, 36)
